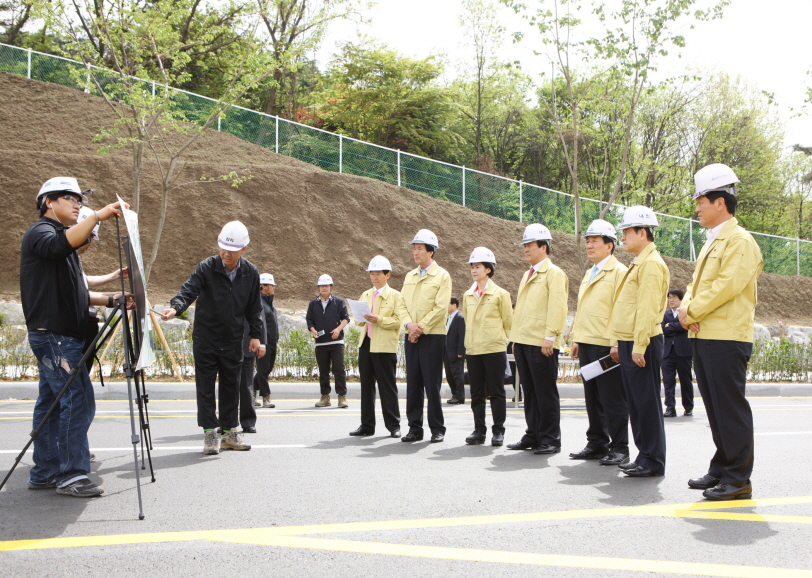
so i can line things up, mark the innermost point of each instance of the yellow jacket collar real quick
(645, 253)
(729, 227)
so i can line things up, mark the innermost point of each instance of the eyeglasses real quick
(72, 199)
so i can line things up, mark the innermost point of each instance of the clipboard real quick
(597, 368)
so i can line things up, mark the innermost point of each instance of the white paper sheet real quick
(594, 369)
(359, 309)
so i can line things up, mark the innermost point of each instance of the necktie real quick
(594, 272)
(369, 325)
(530, 274)
(448, 323)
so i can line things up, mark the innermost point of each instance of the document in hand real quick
(359, 309)
(599, 367)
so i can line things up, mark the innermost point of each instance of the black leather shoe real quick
(361, 432)
(475, 439)
(588, 454)
(497, 439)
(395, 433)
(614, 459)
(520, 446)
(640, 472)
(670, 413)
(437, 438)
(249, 429)
(627, 466)
(706, 482)
(728, 492)
(412, 437)
(455, 401)
(546, 449)
(688, 412)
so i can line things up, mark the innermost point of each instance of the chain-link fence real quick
(482, 192)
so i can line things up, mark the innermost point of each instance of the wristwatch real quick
(110, 301)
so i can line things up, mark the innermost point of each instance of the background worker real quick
(719, 311)
(55, 302)
(248, 415)
(677, 358)
(378, 350)
(487, 308)
(327, 314)
(607, 435)
(454, 358)
(636, 336)
(538, 324)
(226, 287)
(266, 363)
(423, 309)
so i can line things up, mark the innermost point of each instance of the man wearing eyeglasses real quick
(55, 304)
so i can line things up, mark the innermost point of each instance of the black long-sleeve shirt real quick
(52, 288)
(327, 318)
(222, 305)
(270, 319)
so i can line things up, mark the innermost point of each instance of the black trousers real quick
(673, 365)
(486, 373)
(542, 407)
(378, 368)
(642, 386)
(209, 364)
(424, 377)
(248, 415)
(265, 366)
(722, 386)
(455, 376)
(606, 406)
(327, 356)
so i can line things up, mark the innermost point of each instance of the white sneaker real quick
(211, 443)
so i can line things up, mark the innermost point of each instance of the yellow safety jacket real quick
(425, 300)
(386, 329)
(723, 293)
(640, 301)
(487, 320)
(595, 301)
(541, 306)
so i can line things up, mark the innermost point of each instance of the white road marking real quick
(165, 448)
(783, 433)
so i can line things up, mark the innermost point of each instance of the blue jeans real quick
(61, 451)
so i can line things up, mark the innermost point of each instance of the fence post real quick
(340, 153)
(398, 167)
(798, 254)
(153, 89)
(29, 64)
(691, 250)
(521, 202)
(463, 186)
(276, 136)
(219, 118)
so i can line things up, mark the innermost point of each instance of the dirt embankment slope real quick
(303, 221)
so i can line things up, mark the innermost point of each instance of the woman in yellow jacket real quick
(488, 316)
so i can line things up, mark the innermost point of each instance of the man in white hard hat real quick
(719, 312)
(326, 318)
(637, 339)
(55, 302)
(378, 350)
(266, 363)
(226, 287)
(607, 433)
(424, 301)
(538, 325)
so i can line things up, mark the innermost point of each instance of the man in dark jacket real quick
(226, 287)
(326, 319)
(266, 362)
(248, 415)
(677, 358)
(55, 303)
(454, 358)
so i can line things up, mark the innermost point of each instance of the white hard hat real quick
(638, 216)
(84, 213)
(62, 184)
(233, 237)
(535, 232)
(714, 177)
(325, 280)
(266, 279)
(426, 237)
(379, 263)
(601, 228)
(482, 255)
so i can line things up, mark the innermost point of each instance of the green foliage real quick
(2, 318)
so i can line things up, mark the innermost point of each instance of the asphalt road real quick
(308, 500)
